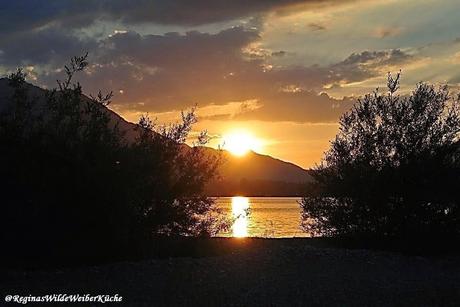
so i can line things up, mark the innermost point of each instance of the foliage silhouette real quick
(69, 176)
(393, 168)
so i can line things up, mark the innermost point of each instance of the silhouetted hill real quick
(252, 174)
(38, 94)
(258, 175)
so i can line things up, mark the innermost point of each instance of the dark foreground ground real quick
(257, 272)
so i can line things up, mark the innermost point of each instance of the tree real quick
(70, 177)
(169, 177)
(392, 169)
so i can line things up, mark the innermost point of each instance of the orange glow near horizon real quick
(303, 144)
(240, 142)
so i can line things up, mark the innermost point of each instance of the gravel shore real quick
(259, 272)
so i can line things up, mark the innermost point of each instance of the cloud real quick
(376, 58)
(298, 106)
(317, 26)
(42, 47)
(161, 73)
(192, 13)
(280, 53)
(383, 32)
(367, 64)
(26, 15)
(171, 71)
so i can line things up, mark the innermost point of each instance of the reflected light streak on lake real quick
(240, 210)
(273, 217)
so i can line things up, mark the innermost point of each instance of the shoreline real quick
(198, 247)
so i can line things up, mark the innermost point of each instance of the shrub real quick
(392, 169)
(70, 176)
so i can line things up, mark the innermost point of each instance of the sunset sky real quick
(280, 71)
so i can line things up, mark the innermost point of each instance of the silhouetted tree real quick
(393, 168)
(172, 180)
(68, 175)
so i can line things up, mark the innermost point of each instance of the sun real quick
(240, 142)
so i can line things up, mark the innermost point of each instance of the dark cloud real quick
(298, 100)
(173, 71)
(42, 47)
(190, 50)
(357, 67)
(280, 53)
(185, 12)
(376, 58)
(367, 64)
(27, 15)
(317, 26)
(300, 106)
(167, 72)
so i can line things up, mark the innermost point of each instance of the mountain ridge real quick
(251, 174)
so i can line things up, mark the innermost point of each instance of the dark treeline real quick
(393, 170)
(265, 188)
(71, 183)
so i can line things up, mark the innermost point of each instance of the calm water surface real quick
(274, 217)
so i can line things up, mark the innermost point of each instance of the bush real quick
(393, 168)
(69, 176)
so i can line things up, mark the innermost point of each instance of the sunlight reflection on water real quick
(240, 210)
(273, 217)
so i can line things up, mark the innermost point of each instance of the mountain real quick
(38, 95)
(252, 174)
(262, 167)
(255, 174)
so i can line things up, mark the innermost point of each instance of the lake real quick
(273, 217)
